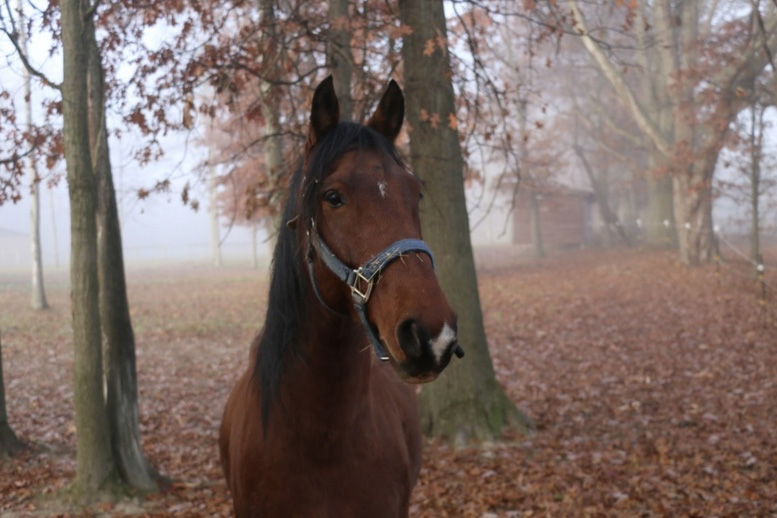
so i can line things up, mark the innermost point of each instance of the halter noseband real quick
(361, 280)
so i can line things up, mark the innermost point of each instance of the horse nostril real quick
(410, 336)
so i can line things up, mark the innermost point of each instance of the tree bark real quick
(213, 211)
(693, 205)
(660, 225)
(254, 251)
(273, 145)
(9, 443)
(38, 295)
(535, 221)
(94, 462)
(466, 402)
(756, 146)
(609, 217)
(118, 335)
(339, 56)
(55, 240)
(536, 224)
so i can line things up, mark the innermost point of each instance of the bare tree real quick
(756, 135)
(685, 108)
(38, 299)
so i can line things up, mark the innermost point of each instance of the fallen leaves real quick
(653, 387)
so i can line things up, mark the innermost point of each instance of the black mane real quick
(287, 310)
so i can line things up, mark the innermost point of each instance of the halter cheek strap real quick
(361, 280)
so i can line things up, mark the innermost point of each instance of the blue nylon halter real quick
(360, 281)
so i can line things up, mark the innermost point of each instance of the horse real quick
(324, 422)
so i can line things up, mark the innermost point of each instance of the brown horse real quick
(317, 426)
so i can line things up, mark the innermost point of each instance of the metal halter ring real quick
(355, 282)
(361, 276)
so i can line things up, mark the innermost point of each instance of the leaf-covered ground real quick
(653, 388)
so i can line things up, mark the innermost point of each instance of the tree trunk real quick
(756, 138)
(602, 195)
(339, 56)
(94, 462)
(466, 401)
(254, 251)
(9, 443)
(693, 207)
(536, 224)
(120, 373)
(38, 295)
(273, 145)
(660, 228)
(213, 210)
(55, 240)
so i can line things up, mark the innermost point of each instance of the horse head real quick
(363, 237)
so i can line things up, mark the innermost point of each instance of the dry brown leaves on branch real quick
(653, 388)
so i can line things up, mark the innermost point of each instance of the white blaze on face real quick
(443, 341)
(383, 189)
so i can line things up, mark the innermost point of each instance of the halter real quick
(361, 280)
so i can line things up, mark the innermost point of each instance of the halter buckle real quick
(355, 285)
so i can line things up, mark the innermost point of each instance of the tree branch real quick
(90, 12)
(32, 70)
(616, 80)
(762, 29)
(751, 63)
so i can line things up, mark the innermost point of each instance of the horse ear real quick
(292, 223)
(325, 112)
(387, 119)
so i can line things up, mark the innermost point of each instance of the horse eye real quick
(420, 196)
(334, 198)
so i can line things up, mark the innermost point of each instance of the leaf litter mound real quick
(653, 388)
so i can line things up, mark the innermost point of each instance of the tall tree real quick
(339, 57)
(120, 372)
(273, 145)
(467, 401)
(756, 135)
(534, 203)
(9, 443)
(213, 212)
(94, 461)
(108, 437)
(701, 63)
(54, 239)
(38, 296)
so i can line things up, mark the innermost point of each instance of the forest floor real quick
(653, 388)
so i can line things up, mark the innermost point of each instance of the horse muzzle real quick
(426, 355)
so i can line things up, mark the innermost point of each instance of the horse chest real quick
(343, 476)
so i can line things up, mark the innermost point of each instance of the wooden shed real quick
(565, 217)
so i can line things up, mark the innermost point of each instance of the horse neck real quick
(327, 387)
